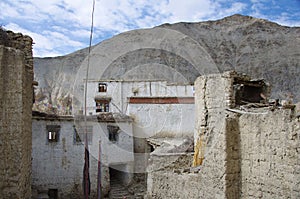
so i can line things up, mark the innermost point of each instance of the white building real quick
(158, 109)
(122, 115)
(58, 153)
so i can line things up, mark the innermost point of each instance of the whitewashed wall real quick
(119, 91)
(162, 120)
(149, 120)
(59, 165)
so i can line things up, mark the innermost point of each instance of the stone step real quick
(118, 191)
(113, 196)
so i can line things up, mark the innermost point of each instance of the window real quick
(250, 92)
(113, 133)
(79, 134)
(102, 87)
(53, 133)
(102, 106)
(52, 136)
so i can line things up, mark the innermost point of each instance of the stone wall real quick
(16, 77)
(239, 153)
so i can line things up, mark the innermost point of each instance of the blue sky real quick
(59, 27)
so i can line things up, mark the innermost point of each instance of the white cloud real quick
(60, 26)
(40, 41)
(259, 8)
(7, 10)
(80, 33)
(233, 9)
(189, 10)
(285, 19)
(46, 42)
(22, 10)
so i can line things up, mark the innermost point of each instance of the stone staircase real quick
(118, 190)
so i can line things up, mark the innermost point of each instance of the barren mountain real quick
(178, 53)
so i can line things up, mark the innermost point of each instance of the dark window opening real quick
(53, 193)
(251, 94)
(79, 134)
(248, 92)
(102, 87)
(53, 133)
(113, 133)
(102, 106)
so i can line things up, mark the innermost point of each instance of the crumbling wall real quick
(165, 179)
(210, 145)
(238, 153)
(210, 132)
(16, 77)
(270, 155)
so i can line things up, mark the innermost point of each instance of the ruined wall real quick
(210, 135)
(270, 155)
(211, 100)
(258, 151)
(242, 153)
(16, 76)
(164, 182)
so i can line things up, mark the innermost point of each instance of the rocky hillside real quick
(178, 53)
(257, 47)
(55, 76)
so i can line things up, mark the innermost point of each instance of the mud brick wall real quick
(241, 154)
(16, 77)
(211, 129)
(270, 155)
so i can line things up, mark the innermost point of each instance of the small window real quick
(102, 87)
(102, 106)
(53, 133)
(52, 136)
(79, 134)
(113, 133)
(248, 94)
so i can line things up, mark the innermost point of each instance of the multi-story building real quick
(58, 153)
(158, 109)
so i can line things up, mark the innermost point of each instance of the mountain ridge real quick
(257, 47)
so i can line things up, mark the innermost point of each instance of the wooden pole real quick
(86, 149)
